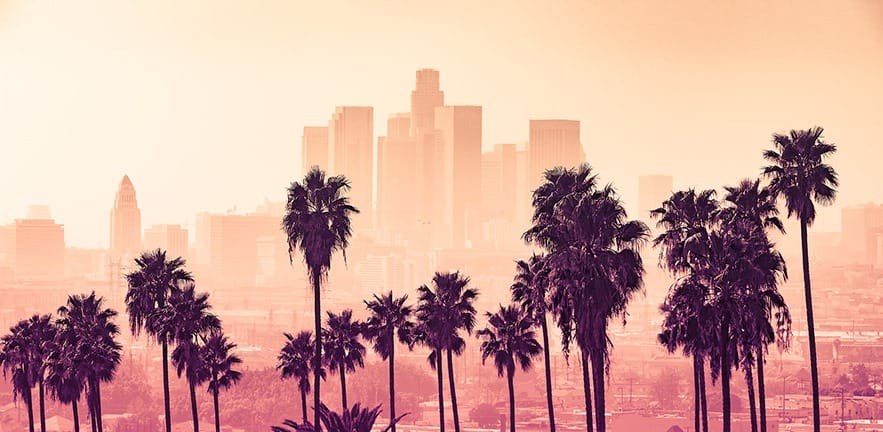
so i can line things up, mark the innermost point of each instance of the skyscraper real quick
(425, 98)
(125, 221)
(314, 147)
(553, 143)
(459, 134)
(396, 186)
(351, 153)
(860, 225)
(171, 238)
(39, 248)
(499, 169)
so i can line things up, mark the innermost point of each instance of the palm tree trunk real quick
(810, 327)
(193, 406)
(90, 403)
(761, 393)
(42, 396)
(697, 420)
(392, 379)
(453, 390)
(303, 403)
(725, 374)
(702, 396)
(510, 373)
(598, 383)
(441, 390)
(548, 367)
(76, 416)
(165, 385)
(100, 420)
(752, 405)
(217, 412)
(343, 389)
(29, 405)
(317, 359)
(587, 390)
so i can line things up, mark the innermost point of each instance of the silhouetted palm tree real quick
(425, 334)
(389, 316)
(186, 317)
(150, 286)
(317, 222)
(86, 324)
(355, 419)
(343, 351)
(447, 308)
(509, 339)
(295, 360)
(798, 173)
(43, 334)
(529, 290)
(66, 375)
(18, 357)
(220, 363)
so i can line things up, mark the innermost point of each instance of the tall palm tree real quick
(685, 220)
(220, 363)
(529, 290)
(150, 286)
(343, 351)
(798, 174)
(296, 360)
(425, 334)
(390, 316)
(86, 324)
(317, 223)
(186, 317)
(509, 339)
(65, 375)
(594, 253)
(448, 307)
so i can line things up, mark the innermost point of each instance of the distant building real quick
(425, 98)
(171, 238)
(227, 246)
(314, 148)
(652, 191)
(125, 221)
(459, 133)
(860, 226)
(396, 180)
(553, 143)
(351, 153)
(39, 249)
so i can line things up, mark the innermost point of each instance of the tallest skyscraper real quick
(429, 157)
(425, 98)
(125, 221)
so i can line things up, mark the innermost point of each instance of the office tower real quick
(227, 245)
(396, 180)
(523, 192)
(39, 248)
(351, 153)
(652, 191)
(125, 221)
(499, 169)
(860, 225)
(314, 148)
(425, 98)
(459, 134)
(553, 143)
(170, 238)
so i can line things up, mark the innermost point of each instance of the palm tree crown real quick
(343, 351)
(390, 316)
(509, 339)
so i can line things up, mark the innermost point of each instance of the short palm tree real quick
(509, 338)
(355, 419)
(86, 324)
(150, 287)
(798, 173)
(18, 357)
(43, 334)
(343, 351)
(219, 363)
(66, 376)
(296, 360)
(529, 290)
(317, 222)
(186, 317)
(390, 316)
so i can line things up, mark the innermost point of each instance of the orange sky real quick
(202, 102)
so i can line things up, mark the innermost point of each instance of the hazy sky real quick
(202, 103)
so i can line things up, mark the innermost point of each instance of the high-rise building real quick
(171, 238)
(227, 245)
(459, 133)
(351, 153)
(125, 221)
(859, 226)
(425, 98)
(396, 186)
(499, 169)
(39, 249)
(314, 147)
(652, 191)
(553, 143)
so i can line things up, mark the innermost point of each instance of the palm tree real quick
(295, 361)
(43, 333)
(509, 339)
(18, 357)
(529, 290)
(66, 376)
(88, 326)
(447, 308)
(594, 254)
(186, 317)
(425, 334)
(389, 316)
(150, 286)
(343, 351)
(798, 173)
(317, 222)
(219, 362)
(355, 419)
